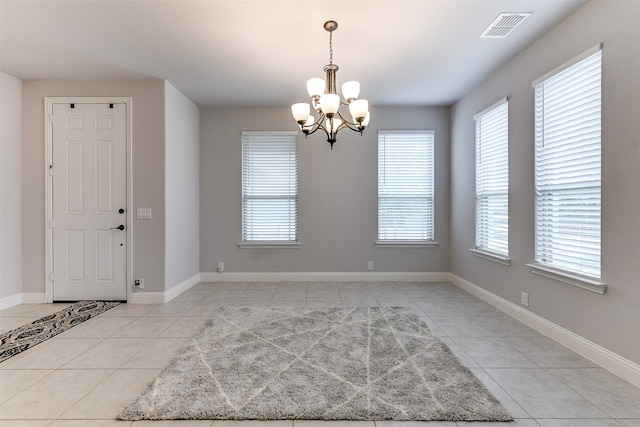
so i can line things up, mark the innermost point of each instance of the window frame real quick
(254, 138)
(492, 153)
(425, 196)
(560, 188)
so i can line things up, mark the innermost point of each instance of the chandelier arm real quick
(346, 123)
(350, 127)
(320, 121)
(315, 129)
(317, 125)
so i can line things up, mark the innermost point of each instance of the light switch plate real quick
(143, 213)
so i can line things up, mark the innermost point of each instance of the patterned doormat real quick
(18, 340)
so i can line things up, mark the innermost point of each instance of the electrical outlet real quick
(370, 265)
(524, 299)
(139, 283)
(220, 267)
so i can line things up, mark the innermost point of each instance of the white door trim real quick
(49, 102)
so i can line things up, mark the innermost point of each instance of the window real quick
(567, 167)
(405, 187)
(492, 179)
(269, 187)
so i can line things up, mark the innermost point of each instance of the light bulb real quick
(300, 112)
(329, 103)
(359, 109)
(315, 87)
(308, 124)
(365, 122)
(336, 124)
(351, 90)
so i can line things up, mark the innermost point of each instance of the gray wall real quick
(148, 173)
(337, 195)
(10, 185)
(182, 191)
(612, 320)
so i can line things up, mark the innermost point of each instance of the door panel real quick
(89, 188)
(104, 255)
(104, 177)
(74, 177)
(75, 256)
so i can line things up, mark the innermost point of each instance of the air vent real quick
(503, 25)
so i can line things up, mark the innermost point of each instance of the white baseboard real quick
(10, 301)
(609, 360)
(23, 298)
(323, 277)
(181, 287)
(143, 297)
(164, 297)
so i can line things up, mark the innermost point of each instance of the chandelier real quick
(327, 102)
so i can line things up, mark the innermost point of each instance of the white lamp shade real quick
(365, 122)
(359, 109)
(336, 124)
(351, 90)
(329, 103)
(315, 87)
(309, 123)
(300, 111)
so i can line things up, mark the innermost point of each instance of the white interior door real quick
(89, 198)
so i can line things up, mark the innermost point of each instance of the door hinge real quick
(50, 118)
(51, 223)
(51, 276)
(50, 170)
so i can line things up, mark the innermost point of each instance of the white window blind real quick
(405, 185)
(269, 187)
(492, 179)
(568, 168)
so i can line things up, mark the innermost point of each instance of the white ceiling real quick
(249, 53)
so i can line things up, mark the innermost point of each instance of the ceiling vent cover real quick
(503, 25)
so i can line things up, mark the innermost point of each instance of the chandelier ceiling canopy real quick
(327, 103)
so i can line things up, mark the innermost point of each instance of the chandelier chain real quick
(331, 47)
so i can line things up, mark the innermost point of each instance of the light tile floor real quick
(86, 375)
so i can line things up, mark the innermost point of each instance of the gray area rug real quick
(362, 363)
(18, 340)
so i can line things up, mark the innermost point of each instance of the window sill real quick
(269, 245)
(406, 244)
(491, 256)
(583, 282)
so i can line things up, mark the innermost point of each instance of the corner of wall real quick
(181, 190)
(10, 190)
